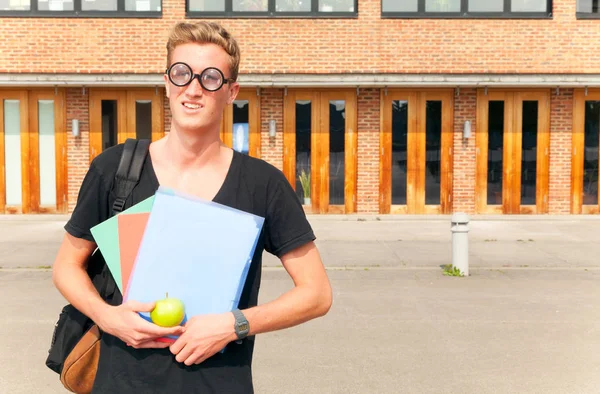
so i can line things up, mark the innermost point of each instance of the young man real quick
(202, 61)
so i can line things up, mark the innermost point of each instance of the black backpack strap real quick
(127, 176)
(128, 173)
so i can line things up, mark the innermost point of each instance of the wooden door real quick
(47, 151)
(145, 114)
(118, 114)
(320, 148)
(513, 142)
(240, 128)
(416, 151)
(33, 151)
(108, 119)
(14, 152)
(585, 156)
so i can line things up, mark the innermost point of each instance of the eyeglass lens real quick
(181, 75)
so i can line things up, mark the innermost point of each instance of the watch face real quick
(243, 327)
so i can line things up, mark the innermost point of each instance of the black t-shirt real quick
(251, 185)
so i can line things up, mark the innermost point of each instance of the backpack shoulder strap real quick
(129, 170)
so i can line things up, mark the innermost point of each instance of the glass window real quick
(303, 150)
(442, 5)
(588, 6)
(143, 119)
(400, 6)
(55, 5)
(207, 5)
(336, 5)
(468, 8)
(433, 152)
(250, 5)
(241, 117)
(142, 5)
(15, 5)
(270, 7)
(529, 148)
(99, 5)
(399, 151)
(486, 5)
(495, 152)
(590, 153)
(293, 5)
(12, 151)
(109, 123)
(47, 152)
(83, 8)
(337, 154)
(528, 5)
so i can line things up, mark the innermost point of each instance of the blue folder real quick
(196, 250)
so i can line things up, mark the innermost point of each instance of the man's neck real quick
(186, 150)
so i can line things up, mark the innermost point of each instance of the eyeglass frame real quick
(198, 76)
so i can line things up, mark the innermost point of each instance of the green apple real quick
(168, 312)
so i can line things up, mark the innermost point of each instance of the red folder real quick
(131, 232)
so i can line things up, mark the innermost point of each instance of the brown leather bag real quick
(79, 370)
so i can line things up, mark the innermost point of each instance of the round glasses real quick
(211, 79)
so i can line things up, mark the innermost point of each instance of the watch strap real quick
(241, 326)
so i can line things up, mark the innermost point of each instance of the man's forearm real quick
(75, 285)
(295, 307)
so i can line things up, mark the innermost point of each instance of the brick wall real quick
(368, 150)
(363, 45)
(78, 150)
(561, 124)
(271, 107)
(465, 161)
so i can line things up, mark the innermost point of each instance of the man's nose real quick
(194, 88)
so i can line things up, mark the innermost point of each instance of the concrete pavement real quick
(371, 241)
(525, 321)
(389, 331)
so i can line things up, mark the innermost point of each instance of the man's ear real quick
(166, 84)
(234, 89)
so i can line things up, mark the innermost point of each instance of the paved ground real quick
(525, 321)
(538, 241)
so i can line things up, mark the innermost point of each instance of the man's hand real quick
(125, 323)
(204, 336)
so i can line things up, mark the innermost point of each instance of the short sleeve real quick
(92, 205)
(286, 225)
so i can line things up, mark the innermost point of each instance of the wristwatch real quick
(241, 325)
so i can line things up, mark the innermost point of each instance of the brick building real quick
(371, 106)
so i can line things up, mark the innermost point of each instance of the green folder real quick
(106, 235)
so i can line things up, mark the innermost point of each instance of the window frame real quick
(586, 15)
(465, 14)
(77, 12)
(271, 13)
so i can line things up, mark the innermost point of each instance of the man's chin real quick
(192, 127)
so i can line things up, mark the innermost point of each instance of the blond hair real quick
(205, 33)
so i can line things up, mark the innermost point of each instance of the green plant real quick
(305, 182)
(452, 271)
